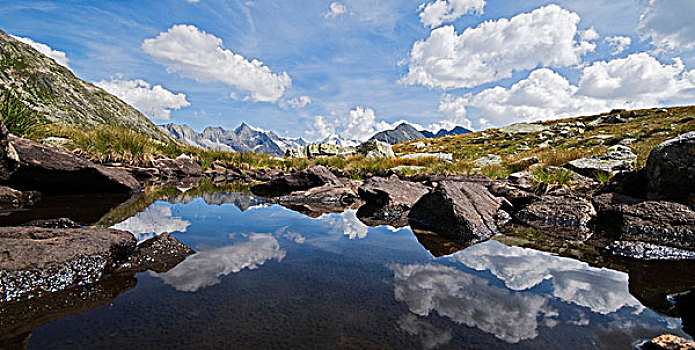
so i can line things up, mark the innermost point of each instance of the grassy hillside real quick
(57, 95)
(645, 129)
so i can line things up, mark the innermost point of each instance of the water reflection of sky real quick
(334, 267)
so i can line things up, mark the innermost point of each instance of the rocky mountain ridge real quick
(56, 94)
(405, 132)
(244, 138)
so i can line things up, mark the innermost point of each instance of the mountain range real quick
(245, 138)
(406, 132)
(56, 94)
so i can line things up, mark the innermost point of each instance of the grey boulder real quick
(458, 210)
(670, 170)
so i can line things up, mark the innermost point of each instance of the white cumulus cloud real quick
(493, 50)
(335, 9)
(59, 56)
(296, 102)
(619, 44)
(155, 102)
(201, 56)
(637, 81)
(669, 23)
(435, 13)
(359, 124)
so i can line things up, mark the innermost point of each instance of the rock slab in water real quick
(181, 166)
(35, 260)
(671, 170)
(566, 217)
(11, 199)
(300, 181)
(159, 254)
(53, 170)
(389, 200)
(657, 222)
(459, 210)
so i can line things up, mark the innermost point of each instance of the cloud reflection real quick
(154, 221)
(347, 223)
(204, 269)
(603, 291)
(469, 300)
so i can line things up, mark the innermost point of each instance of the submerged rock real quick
(670, 170)
(300, 181)
(459, 210)
(158, 254)
(53, 170)
(35, 261)
(564, 217)
(618, 159)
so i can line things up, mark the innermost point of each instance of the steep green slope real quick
(55, 93)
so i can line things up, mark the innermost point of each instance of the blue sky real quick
(353, 67)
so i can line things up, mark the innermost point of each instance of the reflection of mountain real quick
(469, 300)
(203, 269)
(347, 223)
(155, 220)
(603, 291)
(242, 201)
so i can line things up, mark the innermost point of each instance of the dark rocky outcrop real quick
(53, 170)
(670, 170)
(656, 222)
(564, 217)
(35, 261)
(158, 254)
(389, 200)
(299, 181)
(459, 210)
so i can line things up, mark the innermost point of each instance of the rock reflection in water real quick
(205, 268)
(18, 319)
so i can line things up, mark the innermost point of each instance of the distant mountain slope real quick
(406, 132)
(243, 139)
(55, 93)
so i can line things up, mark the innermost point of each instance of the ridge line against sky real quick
(356, 67)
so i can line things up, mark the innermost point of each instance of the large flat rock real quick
(37, 260)
(54, 170)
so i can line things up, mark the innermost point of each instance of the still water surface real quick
(269, 277)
